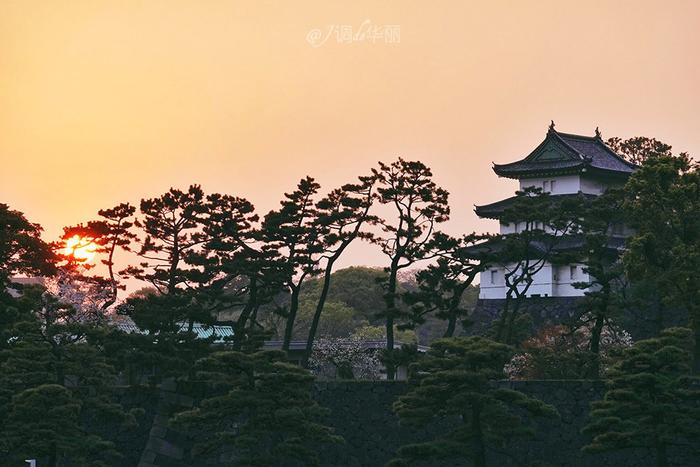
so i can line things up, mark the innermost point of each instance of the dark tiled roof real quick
(563, 153)
(494, 210)
(496, 245)
(601, 156)
(201, 331)
(220, 332)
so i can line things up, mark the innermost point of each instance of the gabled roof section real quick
(565, 153)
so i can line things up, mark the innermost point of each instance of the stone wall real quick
(543, 310)
(361, 413)
(641, 323)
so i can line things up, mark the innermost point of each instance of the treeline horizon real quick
(211, 254)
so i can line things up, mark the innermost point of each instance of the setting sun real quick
(82, 249)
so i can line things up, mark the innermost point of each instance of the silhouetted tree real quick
(22, 251)
(171, 228)
(293, 231)
(107, 234)
(542, 224)
(340, 217)
(442, 285)
(238, 272)
(418, 205)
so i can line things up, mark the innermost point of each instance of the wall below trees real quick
(543, 310)
(361, 413)
(640, 323)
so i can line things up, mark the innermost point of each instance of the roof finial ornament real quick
(597, 133)
(551, 126)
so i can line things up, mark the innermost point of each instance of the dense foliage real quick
(652, 401)
(454, 388)
(263, 415)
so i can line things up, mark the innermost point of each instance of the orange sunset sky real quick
(106, 102)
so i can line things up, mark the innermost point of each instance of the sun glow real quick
(80, 248)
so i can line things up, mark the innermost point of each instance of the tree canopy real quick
(454, 386)
(651, 401)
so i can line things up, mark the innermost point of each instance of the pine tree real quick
(419, 204)
(171, 227)
(294, 232)
(342, 214)
(242, 272)
(264, 414)
(662, 201)
(454, 387)
(51, 353)
(22, 251)
(600, 258)
(639, 149)
(170, 237)
(44, 423)
(110, 233)
(541, 223)
(442, 285)
(652, 401)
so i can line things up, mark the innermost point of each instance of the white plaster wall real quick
(488, 289)
(549, 281)
(506, 228)
(596, 186)
(563, 184)
(521, 226)
(564, 282)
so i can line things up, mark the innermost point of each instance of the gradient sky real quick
(106, 102)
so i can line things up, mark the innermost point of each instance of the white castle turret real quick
(562, 165)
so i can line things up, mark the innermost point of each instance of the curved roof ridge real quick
(535, 151)
(573, 135)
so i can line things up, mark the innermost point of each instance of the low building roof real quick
(202, 331)
(220, 332)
